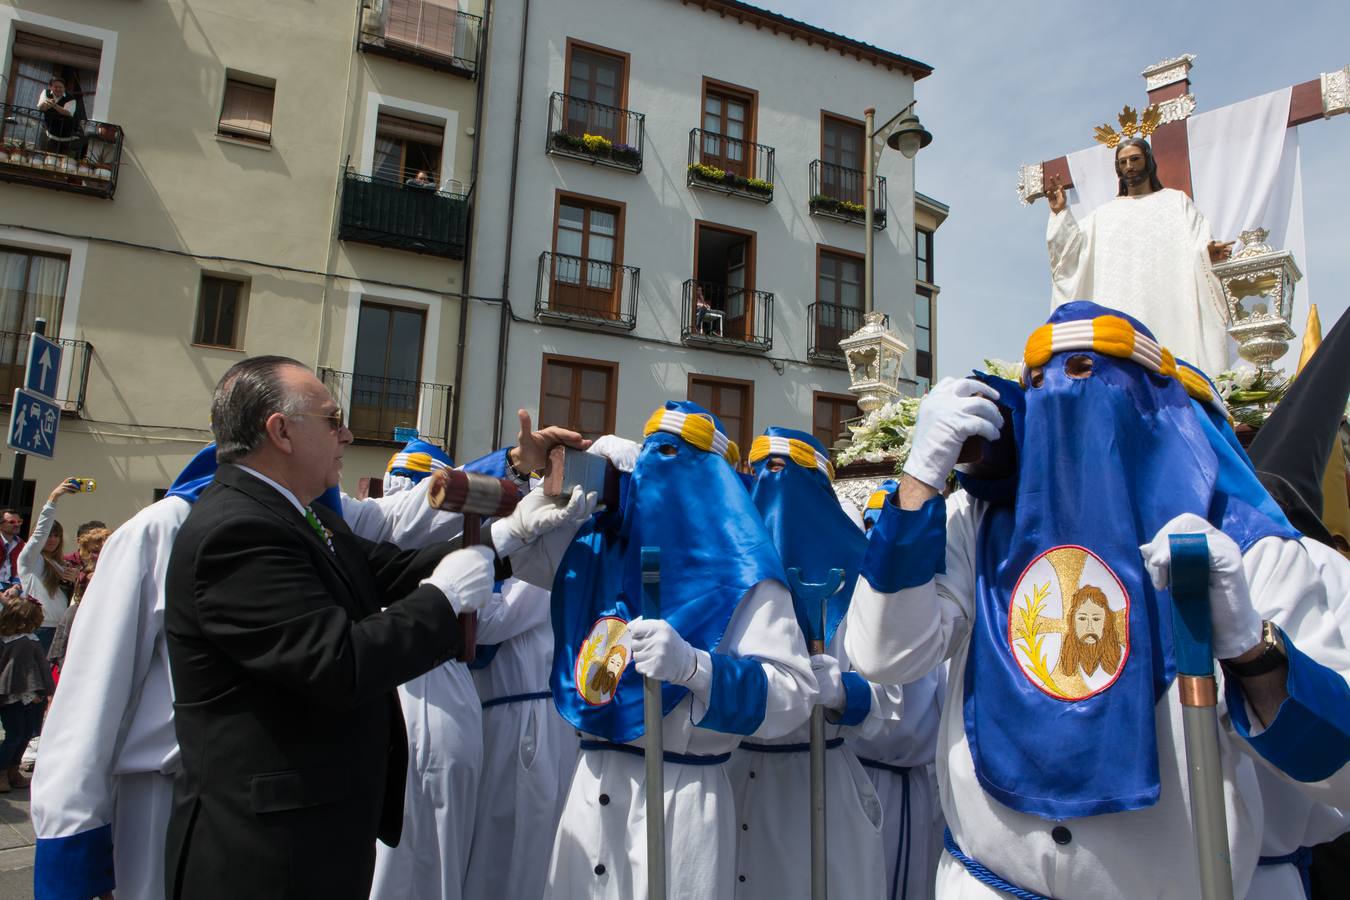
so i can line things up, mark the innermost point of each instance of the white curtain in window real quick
(388, 159)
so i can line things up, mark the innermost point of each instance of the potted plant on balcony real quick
(626, 153)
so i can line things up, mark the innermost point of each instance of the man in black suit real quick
(287, 635)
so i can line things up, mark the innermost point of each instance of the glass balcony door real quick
(387, 370)
(584, 276)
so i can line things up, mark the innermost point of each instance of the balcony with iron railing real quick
(423, 33)
(72, 383)
(595, 133)
(727, 316)
(730, 166)
(404, 216)
(829, 323)
(586, 292)
(839, 193)
(84, 161)
(375, 407)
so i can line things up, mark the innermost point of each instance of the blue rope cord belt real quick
(684, 759)
(788, 748)
(982, 874)
(516, 698)
(1301, 858)
(899, 884)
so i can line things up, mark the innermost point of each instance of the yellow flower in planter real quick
(597, 143)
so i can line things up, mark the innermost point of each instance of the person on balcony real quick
(421, 182)
(61, 130)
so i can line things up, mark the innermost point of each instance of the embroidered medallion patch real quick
(603, 656)
(1069, 623)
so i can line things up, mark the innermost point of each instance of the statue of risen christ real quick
(1149, 253)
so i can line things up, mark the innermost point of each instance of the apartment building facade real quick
(242, 177)
(677, 211)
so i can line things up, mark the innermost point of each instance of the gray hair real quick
(247, 395)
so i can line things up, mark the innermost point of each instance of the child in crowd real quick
(25, 682)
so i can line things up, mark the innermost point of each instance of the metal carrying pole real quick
(814, 597)
(21, 459)
(1199, 712)
(654, 743)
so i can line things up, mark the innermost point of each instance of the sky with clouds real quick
(1016, 83)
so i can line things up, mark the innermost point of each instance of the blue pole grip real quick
(651, 582)
(1191, 630)
(812, 596)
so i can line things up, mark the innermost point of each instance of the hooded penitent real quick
(685, 498)
(416, 461)
(200, 471)
(872, 511)
(1071, 647)
(804, 519)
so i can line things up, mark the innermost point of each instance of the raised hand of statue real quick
(1054, 195)
(1220, 250)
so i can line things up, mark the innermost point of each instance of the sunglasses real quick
(334, 418)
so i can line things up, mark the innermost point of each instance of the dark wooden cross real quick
(1169, 87)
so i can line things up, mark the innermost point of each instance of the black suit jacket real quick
(284, 666)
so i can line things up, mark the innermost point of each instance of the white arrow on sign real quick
(45, 364)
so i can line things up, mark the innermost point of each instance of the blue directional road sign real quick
(44, 365)
(32, 424)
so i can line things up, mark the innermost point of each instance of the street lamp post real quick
(901, 132)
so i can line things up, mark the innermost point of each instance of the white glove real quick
(829, 682)
(465, 577)
(955, 410)
(396, 484)
(659, 652)
(1236, 623)
(622, 452)
(537, 514)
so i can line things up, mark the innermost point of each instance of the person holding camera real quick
(42, 571)
(61, 130)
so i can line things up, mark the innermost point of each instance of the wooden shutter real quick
(32, 46)
(247, 110)
(408, 130)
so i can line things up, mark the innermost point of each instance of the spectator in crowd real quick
(61, 130)
(41, 568)
(90, 545)
(10, 524)
(25, 682)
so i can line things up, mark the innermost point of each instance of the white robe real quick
(1292, 818)
(1146, 256)
(1142, 853)
(529, 750)
(109, 752)
(601, 846)
(912, 831)
(773, 810)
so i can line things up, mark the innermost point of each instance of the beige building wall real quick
(190, 202)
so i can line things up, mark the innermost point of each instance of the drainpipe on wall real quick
(462, 339)
(504, 324)
(337, 195)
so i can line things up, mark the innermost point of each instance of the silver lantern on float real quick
(1258, 287)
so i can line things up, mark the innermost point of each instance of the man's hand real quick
(829, 682)
(1054, 195)
(465, 577)
(1236, 623)
(1220, 250)
(659, 652)
(954, 411)
(531, 450)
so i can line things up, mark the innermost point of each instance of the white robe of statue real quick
(1147, 256)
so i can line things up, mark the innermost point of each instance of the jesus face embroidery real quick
(603, 656)
(1068, 624)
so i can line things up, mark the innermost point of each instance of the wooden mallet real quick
(473, 496)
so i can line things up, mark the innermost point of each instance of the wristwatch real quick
(1271, 657)
(514, 472)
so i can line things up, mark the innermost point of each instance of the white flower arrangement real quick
(884, 434)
